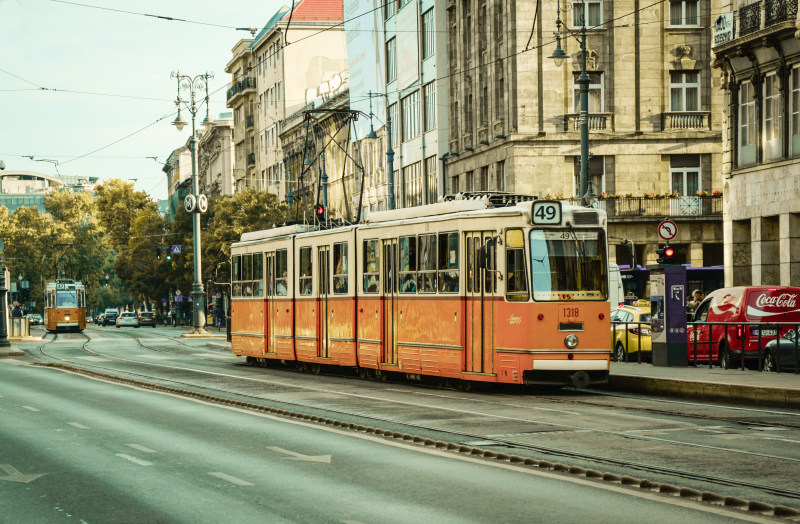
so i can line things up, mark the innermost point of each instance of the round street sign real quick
(667, 229)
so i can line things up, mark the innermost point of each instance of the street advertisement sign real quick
(723, 29)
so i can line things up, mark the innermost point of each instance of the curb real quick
(734, 394)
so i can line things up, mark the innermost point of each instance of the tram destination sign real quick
(546, 212)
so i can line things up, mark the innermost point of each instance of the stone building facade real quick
(215, 157)
(758, 54)
(241, 98)
(654, 106)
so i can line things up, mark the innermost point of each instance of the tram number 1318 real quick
(546, 212)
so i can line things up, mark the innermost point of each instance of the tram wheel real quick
(363, 373)
(302, 367)
(465, 385)
(316, 369)
(250, 361)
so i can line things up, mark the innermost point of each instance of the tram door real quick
(391, 308)
(323, 307)
(269, 293)
(481, 287)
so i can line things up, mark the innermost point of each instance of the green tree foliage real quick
(117, 204)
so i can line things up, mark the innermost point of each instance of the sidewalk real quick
(754, 388)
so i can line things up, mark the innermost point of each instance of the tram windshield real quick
(569, 265)
(67, 298)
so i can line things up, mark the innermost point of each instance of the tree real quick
(27, 235)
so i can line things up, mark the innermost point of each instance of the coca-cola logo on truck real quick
(784, 300)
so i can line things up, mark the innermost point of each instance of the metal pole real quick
(324, 190)
(583, 118)
(288, 163)
(198, 294)
(390, 155)
(4, 343)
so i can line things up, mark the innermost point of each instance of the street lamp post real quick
(192, 84)
(558, 57)
(4, 343)
(389, 150)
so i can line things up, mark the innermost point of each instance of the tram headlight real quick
(571, 341)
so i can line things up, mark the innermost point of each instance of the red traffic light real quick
(320, 210)
(668, 252)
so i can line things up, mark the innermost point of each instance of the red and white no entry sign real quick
(667, 229)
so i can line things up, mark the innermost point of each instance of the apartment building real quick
(241, 99)
(758, 55)
(654, 113)
(215, 152)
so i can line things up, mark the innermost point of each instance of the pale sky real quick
(89, 53)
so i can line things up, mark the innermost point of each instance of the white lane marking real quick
(134, 460)
(326, 459)
(228, 478)
(31, 408)
(141, 448)
(94, 359)
(77, 425)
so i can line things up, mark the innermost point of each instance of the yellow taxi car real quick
(630, 328)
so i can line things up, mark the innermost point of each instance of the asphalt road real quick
(81, 450)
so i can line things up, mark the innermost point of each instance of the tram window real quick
(247, 267)
(66, 298)
(258, 274)
(372, 278)
(408, 264)
(340, 269)
(448, 263)
(281, 266)
(427, 263)
(489, 276)
(305, 271)
(516, 278)
(236, 275)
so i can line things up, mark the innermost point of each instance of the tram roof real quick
(293, 229)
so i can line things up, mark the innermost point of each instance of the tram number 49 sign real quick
(667, 229)
(546, 212)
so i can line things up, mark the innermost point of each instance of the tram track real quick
(414, 432)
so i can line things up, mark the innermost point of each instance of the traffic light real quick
(169, 255)
(320, 211)
(158, 253)
(665, 255)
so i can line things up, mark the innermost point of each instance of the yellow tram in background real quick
(65, 305)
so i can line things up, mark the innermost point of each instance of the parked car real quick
(110, 316)
(147, 318)
(35, 319)
(128, 318)
(633, 337)
(100, 319)
(763, 304)
(779, 354)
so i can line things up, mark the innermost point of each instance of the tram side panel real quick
(430, 335)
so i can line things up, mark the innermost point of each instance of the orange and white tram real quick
(65, 305)
(461, 290)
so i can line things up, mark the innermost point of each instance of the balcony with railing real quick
(251, 159)
(762, 15)
(635, 208)
(597, 122)
(249, 121)
(240, 87)
(686, 120)
(776, 11)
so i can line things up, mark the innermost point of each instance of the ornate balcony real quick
(776, 11)
(597, 122)
(635, 208)
(683, 120)
(750, 18)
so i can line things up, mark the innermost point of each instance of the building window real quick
(773, 118)
(412, 177)
(590, 12)
(393, 125)
(429, 93)
(683, 12)
(747, 124)
(410, 108)
(595, 92)
(391, 8)
(684, 88)
(794, 110)
(500, 176)
(428, 33)
(597, 176)
(483, 182)
(685, 174)
(430, 176)
(391, 60)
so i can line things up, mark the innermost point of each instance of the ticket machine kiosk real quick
(668, 315)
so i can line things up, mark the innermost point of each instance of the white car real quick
(128, 318)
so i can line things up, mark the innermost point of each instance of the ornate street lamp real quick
(194, 203)
(558, 56)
